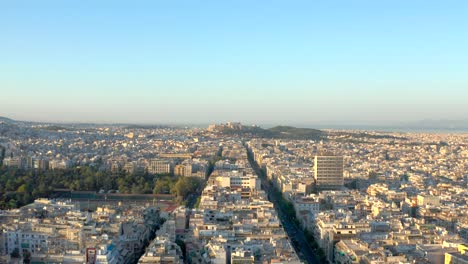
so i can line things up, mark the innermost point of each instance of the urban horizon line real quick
(429, 125)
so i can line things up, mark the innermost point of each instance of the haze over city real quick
(263, 62)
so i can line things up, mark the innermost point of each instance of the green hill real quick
(296, 133)
(280, 132)
(6, 120)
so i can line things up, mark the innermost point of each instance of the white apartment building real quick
(236, 180)
(160, 166)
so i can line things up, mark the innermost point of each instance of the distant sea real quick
(395, 129)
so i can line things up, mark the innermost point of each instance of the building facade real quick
(328, 172)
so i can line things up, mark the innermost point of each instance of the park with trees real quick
(20, 187)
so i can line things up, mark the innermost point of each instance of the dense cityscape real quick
(76, 193)
(233, 132)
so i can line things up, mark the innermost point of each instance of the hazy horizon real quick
(452, 126)
(262, 62)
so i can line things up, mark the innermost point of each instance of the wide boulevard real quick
(295, 233)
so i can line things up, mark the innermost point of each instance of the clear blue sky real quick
(288, 62)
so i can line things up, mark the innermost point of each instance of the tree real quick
(182, 246)
(197, 203)
(26, 198)
(136, 189)
(373, 175)
(27, 257)
(22, 189)
(146, 188)
(89, 183)
(12, 203)
(322, 256)
(23, 186)
(163, 185)
(10, 186)
(186, 186)
(15, 253)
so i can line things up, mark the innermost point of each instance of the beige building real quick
(183, 170)
(424, 200)
(160, 166)
(328, 172)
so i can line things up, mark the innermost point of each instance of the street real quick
(295, 233)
